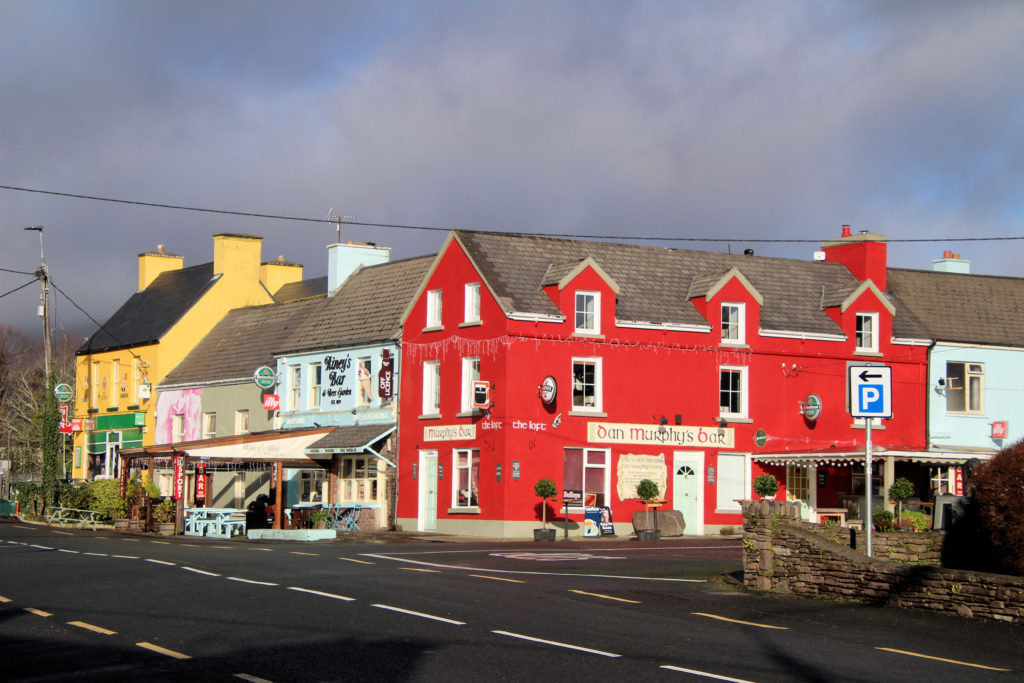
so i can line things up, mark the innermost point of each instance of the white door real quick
(428, 491)
(799, 488)
(688, 485)
(111, 464)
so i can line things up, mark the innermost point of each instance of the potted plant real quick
(544, 489)
(134, 498)
(164, 515)
(766, 486)
(647, 491)
(320, 518)
(900, 491)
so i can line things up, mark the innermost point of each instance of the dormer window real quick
(588, 312)
(867, 332)
(733, 328)
(434, 308)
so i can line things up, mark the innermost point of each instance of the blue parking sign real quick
(870, 390)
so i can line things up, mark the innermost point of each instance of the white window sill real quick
(732, 345)
(739, 419)
(431, 416)
(471, 323)
(476, 412)
(587, 335)
(464, 511)
(867, 352)
(579, 412)
(433, 328)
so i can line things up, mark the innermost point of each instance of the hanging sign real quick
(548, 390)
(179, 477)
(811, 407)
(201, 485)
(264, 377)
(481, 394)
(63, 392)
(65, 423)
(271, 402)
(1000, 429)
(386, 376)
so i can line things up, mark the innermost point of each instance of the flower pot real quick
(543, 534)
(648, 535)
(121, 525)
(165, 528)
(135, 526)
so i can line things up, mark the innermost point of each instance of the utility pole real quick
(43, 275)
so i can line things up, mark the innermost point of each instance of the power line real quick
(17, 272)
(400, 226)
(30, 282)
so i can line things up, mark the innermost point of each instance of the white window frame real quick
(209, 425)
(316, 380)
(463, 461)
(115, 388)
(470, 374)
(471, 303)
(295, 386)
(728, 492)
(241, 422)
(734, 331)
(311, 485)
(177, 427)
(866, 340)
(359, 479)
(94, 386)
(432, 387)
(604, 453)
(598, 384)
(744, 391)
(434, 308)
(970, 371)
(581, 298)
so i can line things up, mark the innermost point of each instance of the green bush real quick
(105, 498)
(918, 520)
(78, 496)
(882, 520)
(901, 489)
(30, 499)
(766, 485)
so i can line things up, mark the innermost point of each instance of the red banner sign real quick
(201, 485)
(65, 423)
(271, 402)
(386, 376)
(179, 477)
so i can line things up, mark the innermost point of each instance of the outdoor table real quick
(62, 515)
(344, 516)
(219, 522)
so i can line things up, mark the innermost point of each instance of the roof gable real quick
(844, 296)
(710, 285)
(148, 315)
(562, 274)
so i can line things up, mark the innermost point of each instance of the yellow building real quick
(173, 309)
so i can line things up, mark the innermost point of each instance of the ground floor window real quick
(466, 482)
(311, 484)
(359, 479)
(586, 477)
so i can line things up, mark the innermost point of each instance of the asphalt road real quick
(78, 605)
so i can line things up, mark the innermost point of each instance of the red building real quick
(608, 364)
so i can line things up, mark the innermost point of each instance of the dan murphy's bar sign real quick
(660, 435)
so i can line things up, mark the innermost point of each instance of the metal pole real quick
(868, 484)
(44, 278)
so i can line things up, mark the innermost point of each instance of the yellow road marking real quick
(38, 612)
(161, 542)
(163, 650)
(296, 552)
(190, 545)
(420, 569)
(3, 599)
(132, 540)
(251, 678)
(223, 547)
(497, 578)
(737, 621)
(606, 597)
(941, 659)
(63, 533)
(351, 559)
(266, 550)
(91, 627)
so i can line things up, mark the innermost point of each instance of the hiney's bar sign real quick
(660, 435)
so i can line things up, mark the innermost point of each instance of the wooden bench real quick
(838, 514)
(63, 516)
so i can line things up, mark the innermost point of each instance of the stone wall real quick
(785, 555)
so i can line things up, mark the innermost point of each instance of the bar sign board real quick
(870, 390)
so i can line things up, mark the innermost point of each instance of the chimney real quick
(951, 263)
(863, 254)
(152, 263)
(344, 259)
(237, 256)
(276, 274)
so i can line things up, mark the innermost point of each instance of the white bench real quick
(80, 518)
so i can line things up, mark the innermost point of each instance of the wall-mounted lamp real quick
(792, 371)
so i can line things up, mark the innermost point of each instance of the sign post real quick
(870, 397)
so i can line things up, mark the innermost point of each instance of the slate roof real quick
(241, 342)
(303, 289)
(366, 309)
(351, 439)
(149, 314)
(969, 309)
(655, 282)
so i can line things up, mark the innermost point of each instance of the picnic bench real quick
(214, 522)
(62, 516)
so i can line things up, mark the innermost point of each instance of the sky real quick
(733, 120)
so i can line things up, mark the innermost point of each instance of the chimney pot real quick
(280, 259)
(159, 248)
(947, 254)
(846, 231)
(956, 256)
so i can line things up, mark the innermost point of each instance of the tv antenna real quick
(338, 220)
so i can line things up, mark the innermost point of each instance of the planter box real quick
(165, 528)
(121, 525)
(544, 534)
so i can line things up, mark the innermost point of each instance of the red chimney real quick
(864, 255)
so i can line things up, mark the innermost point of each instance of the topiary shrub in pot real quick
(647, 490)
(544, 489)
(164, 516)
(766, 486)
(900, 491)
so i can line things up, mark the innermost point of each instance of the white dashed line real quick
(556, 644)
(255, 583)
(199, 571)
(320, 593)
(706, 674)
(169, 564)
(420, 614)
